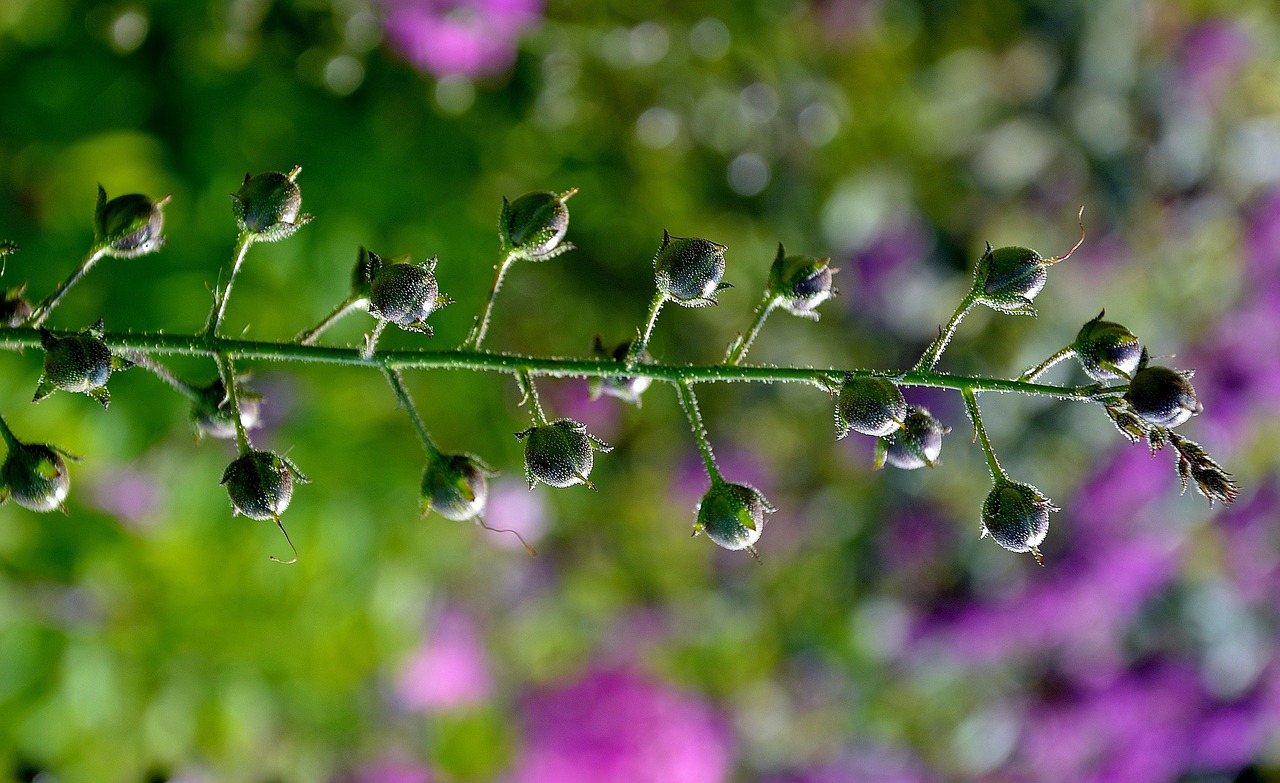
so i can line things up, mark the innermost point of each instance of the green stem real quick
(9, 438)
(165, 374)
(738, 350)
(348, 305)
(406, 402)
(1043, 367)
(45, 308)
(482, 322)
(690, 404)
(228, 371)
(243, 243)
(980, 433)
(641, 342)
(935, 349)
(525, 381)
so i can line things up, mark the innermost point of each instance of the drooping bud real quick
(1107, 350)
(260, 484)
(80, 363)
(560, 454)
(35, 476)
(15, 310)
(455, 486)
(732, 515)
(916, 445)
(801, 283)
(689, 271)
(129, 226)
(268, 205)
(211, 412)
(533, 226)
(871, 406)
(1016, 516)
(405, 293)
(1162, 396)
(1007, 279)
(625, 389)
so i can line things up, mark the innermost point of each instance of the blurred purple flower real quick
(1262, 240)
(618, 727)
(511, 505)
(129, 496)
(459, 37)
(897, 251)
(1212, 54)
(449, 671)
(393, 772)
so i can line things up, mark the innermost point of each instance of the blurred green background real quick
(145, 636)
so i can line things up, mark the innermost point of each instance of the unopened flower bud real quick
(268, 205)
(1016, 516)
(732, 515)
(1009, 278)
(916, 445)
(1162, 396)
(871, 406)
(211, 412)
(80, 363)
(455, 486)
(260, 484)
(405, 293)
(625, 389)
(35, 477)
(129, 226)
(560, 454)
(1107, 351)
(801, 283)
(533, 226)
(14, 308)
(689, 271)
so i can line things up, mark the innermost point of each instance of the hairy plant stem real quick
(935, 349)
(165, 374)
(45, 308)
(482, 321)
(690, 405)
(348, 305)
(980, 433)
(641, 342)
(228, 372)
(243, 243)
(406, 402)
(738, 350)
(1043, 367)
(525, 381)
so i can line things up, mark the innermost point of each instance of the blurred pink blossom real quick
(459, 37)
(392, 771)
(450, 670)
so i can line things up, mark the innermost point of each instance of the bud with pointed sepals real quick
(801, 283)
(1162, 396)
(533, 226)
(80, 363)
(560, 453)
(625, 389)
(871, 406)
(1007, 279)
(211, 411)
(128, 226)
(404, 293)
(1107, 350)
(455, 486)
(916, 445)
(732, 515)
(689, 272)
(15, 310)
(260, 484)
(35, 476)
(367, 265)
(268, 206)
(1016, 516)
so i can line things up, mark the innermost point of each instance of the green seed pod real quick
(260, 484)
(1007, 279)
(1107, 351)
(79, 363)
(1162, 396)
(533, 226)
(35, 477)
(1016, 516)
(129, 226)
(560, 454)
(455, 486)
(211, 412)
(625, 389)
(871, 406)
(689, 271)
(916, 445)
(801, 283)
(268, 205)
(405, 294)
(732, 515)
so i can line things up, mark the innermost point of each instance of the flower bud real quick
(1107, 351)
(1162, 396)
(1016, 516)
(689, 271)
(871, 406)
(455, 486)
(533, 226)
(35, 477)
(405, 293)
(916, 445)
(260, 484)
(267, 206)
(1007, 279)
(129, 226)
(801, 283)
(559, 454)
(625, 389)
(15, 310)
(211, 412)
(732, 515)
(79, 363)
